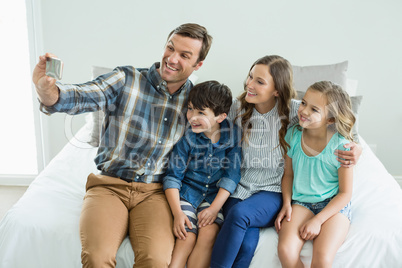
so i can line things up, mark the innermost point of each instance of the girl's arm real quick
(313, 227)
(208, 215)
(287, 185)
(180, 219)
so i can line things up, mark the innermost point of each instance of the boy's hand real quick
(207, 216)
(310, 229)
(285, 213)
(179, 229)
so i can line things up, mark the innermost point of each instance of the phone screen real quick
(54, 68)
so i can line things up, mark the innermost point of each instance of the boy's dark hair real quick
(213, 95)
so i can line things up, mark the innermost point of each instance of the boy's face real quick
(204, 121)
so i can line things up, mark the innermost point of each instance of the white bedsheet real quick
(42, 229)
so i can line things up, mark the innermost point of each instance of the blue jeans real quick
(239, 235)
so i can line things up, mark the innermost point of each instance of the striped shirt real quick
(262, 161)
(142, 119)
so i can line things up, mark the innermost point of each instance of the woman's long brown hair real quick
(282, 74)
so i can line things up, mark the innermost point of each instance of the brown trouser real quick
(112, 207)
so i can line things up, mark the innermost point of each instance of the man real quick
(142, 123)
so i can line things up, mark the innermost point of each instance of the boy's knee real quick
(207, 238)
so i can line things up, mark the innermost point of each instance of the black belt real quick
(156, 176)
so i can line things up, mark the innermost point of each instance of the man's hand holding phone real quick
(46, 88)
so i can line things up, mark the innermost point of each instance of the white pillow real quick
(305, 76)
(351, 86)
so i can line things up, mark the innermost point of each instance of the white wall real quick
(367, 33)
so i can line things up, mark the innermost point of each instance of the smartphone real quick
(54, 67)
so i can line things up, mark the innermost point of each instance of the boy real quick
(204, 169)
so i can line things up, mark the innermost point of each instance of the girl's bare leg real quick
(290, 243)
(326, 244)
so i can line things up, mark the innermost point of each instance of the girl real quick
(264, 111)
(316, 189)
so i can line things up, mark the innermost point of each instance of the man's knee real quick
(153, 259)
(154, 252)
(97, 258)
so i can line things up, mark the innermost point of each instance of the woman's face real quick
(261, 88)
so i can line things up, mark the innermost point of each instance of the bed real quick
(42, 229)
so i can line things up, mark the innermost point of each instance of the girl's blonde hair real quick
(339, 107)
(282, 74)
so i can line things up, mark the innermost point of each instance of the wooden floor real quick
(9, 195)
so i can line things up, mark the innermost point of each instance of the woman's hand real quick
(179, 229)
(286, 212)
(349, 158)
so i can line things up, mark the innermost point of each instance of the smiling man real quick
(142, 122)
(180, 58)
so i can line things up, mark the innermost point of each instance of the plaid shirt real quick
(142, 120)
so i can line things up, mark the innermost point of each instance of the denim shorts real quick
(317, 207)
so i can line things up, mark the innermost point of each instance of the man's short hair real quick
(195, 31)
(213, 95)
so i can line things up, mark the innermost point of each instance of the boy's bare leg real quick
(182, 250)
(201, 254)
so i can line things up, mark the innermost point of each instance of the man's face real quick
(179, 60)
